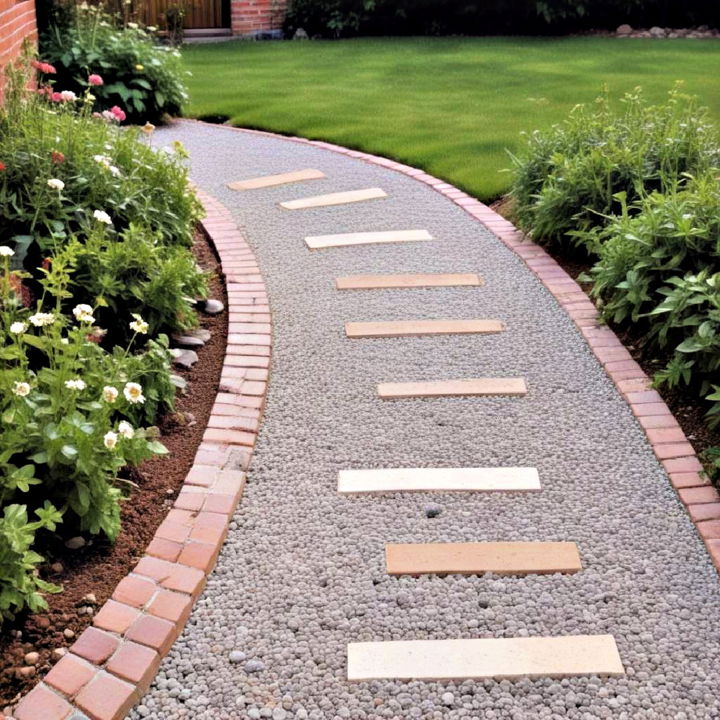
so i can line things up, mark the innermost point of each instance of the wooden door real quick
(198, 13)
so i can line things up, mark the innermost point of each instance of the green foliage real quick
(143, 78)
(570, 179)
(20, 586)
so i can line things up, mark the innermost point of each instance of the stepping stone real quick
(404, 328)
(497, 479)
(503, 558)
(373, 282)
(453, 388)
(273, 180)
(555, 657)
(315, 242)
(339, 198)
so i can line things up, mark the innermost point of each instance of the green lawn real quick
(452, 106)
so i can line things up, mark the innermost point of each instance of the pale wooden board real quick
(316, 242)
(555, 657)
(340, 198)
(454, 388)
(273, 180)
(502, 558)
(405, 328)
(473, 479)
(373, 282)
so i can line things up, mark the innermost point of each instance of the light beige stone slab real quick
(473, 479)
(316, 242)
(555, 657)
(502, 558)
(453, 388)
(373, 282)
(281, 179)
(339, 198)
(405, 328)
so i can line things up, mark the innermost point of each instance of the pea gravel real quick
(302, 572)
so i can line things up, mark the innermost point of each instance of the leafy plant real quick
(142, 77)
(571, 179)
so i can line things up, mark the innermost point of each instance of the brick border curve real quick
(671, 447)
(111, 664)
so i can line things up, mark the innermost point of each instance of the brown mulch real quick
(98, 567)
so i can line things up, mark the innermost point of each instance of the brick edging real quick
(663, 432)
(111, 664)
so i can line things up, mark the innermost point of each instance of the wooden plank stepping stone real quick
(339, 198)
(555, 657)
(478, 479)
(503, 558)
(409, 328)
(315, 242)
(373, 282)
(453, 388)
(273, 180)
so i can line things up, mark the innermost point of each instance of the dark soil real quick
(98, 567)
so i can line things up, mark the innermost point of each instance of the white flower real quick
(110, 394)
(102, 216)
(83, 313)
(56, 184)
(138, 325)
(68, 96)
(133, 393)
(76, 384)
(151, 28)
(110, 440)
(133, 26)
(41, 319)
(114, 171)
(21, 388)
(64, 341)
(18, 328)
(126, 429)
(6, 251)
(104, 160)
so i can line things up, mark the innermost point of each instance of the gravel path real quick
(302, 572)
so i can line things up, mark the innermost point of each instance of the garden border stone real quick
(111, 664)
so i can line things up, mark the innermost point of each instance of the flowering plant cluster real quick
(134, 72)
(95, 268)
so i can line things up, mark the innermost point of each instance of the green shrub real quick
(572, 177)
(142, 77)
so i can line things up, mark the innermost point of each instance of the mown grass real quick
(453, 106)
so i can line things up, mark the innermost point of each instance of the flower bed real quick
(97, 270)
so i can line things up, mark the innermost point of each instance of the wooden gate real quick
(198, 13)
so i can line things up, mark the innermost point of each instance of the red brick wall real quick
(250, 17)
(17, 22)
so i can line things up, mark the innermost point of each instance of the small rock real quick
(211, 306)
(27, 672)
(279, 714)
(402, 599)
(624, 30)
(237, 656)
(200, 334)
(59, 652)
(75, 543)
(253, 666)
(300, 34)
(32, 658)
(447, 698)
(68, 634)
(432, 510)
(89, 599)
(57, 567)
(657, 32)
(187, 341)
(185, 359)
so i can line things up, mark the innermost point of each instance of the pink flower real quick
(56, 97)
(44, 67)
(95, 80)
(118, 113)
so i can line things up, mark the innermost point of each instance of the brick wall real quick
(254, 17)
(17, 22)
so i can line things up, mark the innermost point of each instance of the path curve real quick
(302, 571)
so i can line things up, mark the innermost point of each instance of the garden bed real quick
(97, 568)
